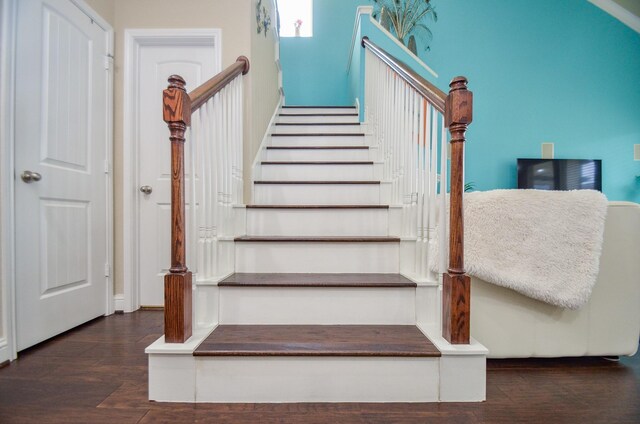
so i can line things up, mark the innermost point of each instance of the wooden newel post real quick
(456, 311)
(177, 283)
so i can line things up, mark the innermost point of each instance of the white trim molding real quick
(118, 302)
(109, 68)
(619, 12)
(134, 39)
(8, 10)
(368, 10)
(256, 167)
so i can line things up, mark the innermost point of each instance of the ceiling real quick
(626, 11)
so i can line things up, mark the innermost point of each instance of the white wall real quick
(264, 93)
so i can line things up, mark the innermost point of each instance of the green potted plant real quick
(405, 19)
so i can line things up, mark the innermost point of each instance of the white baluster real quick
(203, 271)
(193, 226)
(240, 143)
(443, 244)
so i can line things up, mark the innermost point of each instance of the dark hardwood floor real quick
(98, 374)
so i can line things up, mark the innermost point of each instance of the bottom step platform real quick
(316, 363)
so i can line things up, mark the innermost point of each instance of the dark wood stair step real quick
(317, 280)
(319, 239)
(318, 114)
(310, 162)
(318, 107)
(317, 206)
(317, 340)
(317, 147)
(318, 182)
(293, 124)
(317, 135)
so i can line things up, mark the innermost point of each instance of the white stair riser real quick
(317, 257)
(353, 140)
(319, 110)
(317, 222)
(358, 172)
(317, 119)
(317, 194)
(315, 129)
(316, 379)
(317, 305)
(316, 154)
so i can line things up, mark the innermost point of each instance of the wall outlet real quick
(636, 152)
(547, 150)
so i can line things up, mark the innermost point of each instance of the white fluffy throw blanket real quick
(543, 244)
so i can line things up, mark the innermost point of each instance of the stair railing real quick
(407, 117)
(213, 112)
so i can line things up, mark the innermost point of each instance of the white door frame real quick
(7, 90)
(8, 20)
(133, 40)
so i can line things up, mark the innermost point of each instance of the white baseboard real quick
(4, 350)
(118, 302)
(256, 167)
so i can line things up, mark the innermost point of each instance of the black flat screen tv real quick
(560, 174)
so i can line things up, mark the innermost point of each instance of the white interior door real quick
(60, 182)
(195, 64)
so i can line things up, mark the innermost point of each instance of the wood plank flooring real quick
(98, 374)
(317, 340)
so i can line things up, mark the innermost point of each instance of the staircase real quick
(320, 289)
(317, 310)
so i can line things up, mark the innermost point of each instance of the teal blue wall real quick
(546, 71)
(314, 69)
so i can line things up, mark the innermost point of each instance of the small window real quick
(296, 18)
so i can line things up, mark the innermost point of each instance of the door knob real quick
(30, 176)
(146, 189)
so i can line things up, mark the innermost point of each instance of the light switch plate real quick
(547, 150)
(636, 152)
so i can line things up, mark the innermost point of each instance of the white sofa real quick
(511, 325)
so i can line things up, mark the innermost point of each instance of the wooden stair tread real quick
(317, 182)
(316, 123)
(317, 206)
(317, 135)
(318, 162)
(319, 239)
(318, 114)
(316, 280)
(317, 147)
(318, 107)
(317, 340)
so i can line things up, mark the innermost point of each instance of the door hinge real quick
(107, 167)
(107, 270)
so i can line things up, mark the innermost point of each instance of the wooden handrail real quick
(204, 92)
(429, 91)
(178, 106)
